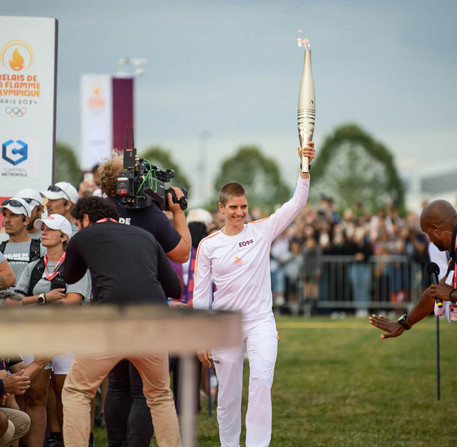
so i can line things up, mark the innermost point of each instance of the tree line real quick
(351, 167)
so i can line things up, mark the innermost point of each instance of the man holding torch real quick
(237, 260)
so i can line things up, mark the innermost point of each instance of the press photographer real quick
(123, 400)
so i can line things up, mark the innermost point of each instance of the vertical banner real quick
(122, 110)
(28, 74)
(96, 119)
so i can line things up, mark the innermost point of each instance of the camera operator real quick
(127, 417)
(175, 239)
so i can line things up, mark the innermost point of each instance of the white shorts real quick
(60, 364)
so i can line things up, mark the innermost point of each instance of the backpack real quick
(37, 273)
(35, 252)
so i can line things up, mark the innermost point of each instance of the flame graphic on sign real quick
(17, 62)
(17, 55)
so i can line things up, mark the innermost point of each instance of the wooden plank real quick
(134, 330)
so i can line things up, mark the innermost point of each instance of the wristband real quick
(402, 322)
(450, 297)
(42, 299)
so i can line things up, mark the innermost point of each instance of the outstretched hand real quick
(392, 328)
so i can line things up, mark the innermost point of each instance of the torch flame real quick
(303, 43)
(17, 62)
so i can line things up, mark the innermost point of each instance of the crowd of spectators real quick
(349, 259)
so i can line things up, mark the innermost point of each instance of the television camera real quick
(140, 184)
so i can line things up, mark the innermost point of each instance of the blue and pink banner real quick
(107, 110)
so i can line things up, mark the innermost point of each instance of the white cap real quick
(61, 190)
(199, 215)
(16, 206)
(55, 222)
(31, 196)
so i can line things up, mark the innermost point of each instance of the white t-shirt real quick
(239, 265)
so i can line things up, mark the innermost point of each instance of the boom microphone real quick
(433, 271)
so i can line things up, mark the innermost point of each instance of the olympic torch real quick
(306, 112)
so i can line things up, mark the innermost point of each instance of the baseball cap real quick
(17, 206)
(199, 215)
(55, 222)
(31, 196)
(61, 190)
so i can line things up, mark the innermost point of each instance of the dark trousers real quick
(127, 416)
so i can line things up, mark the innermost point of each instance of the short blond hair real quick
(109, 172)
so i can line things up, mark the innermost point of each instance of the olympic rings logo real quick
(16, 111)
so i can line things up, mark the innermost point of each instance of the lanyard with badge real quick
(55, 272)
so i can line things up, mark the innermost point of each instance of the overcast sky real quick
(231, 70)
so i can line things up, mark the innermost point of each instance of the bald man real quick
(439, 221)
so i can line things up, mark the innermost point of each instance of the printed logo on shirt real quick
(18, 257)
(237, 259)
(246, 243)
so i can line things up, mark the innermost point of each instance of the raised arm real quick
(181, 252)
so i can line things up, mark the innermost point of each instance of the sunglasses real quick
(29, 201)
(55, 188)
(15, 203)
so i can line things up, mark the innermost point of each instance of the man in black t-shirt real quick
(127, 266)
(126, 415)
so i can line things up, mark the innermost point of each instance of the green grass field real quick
(338, 384)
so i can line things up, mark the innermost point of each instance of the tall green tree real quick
(352, 167)
(66, 165)
(160, 157)
(258, 174)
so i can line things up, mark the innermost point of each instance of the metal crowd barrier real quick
(383, 282)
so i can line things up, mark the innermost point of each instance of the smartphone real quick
(89, 177)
